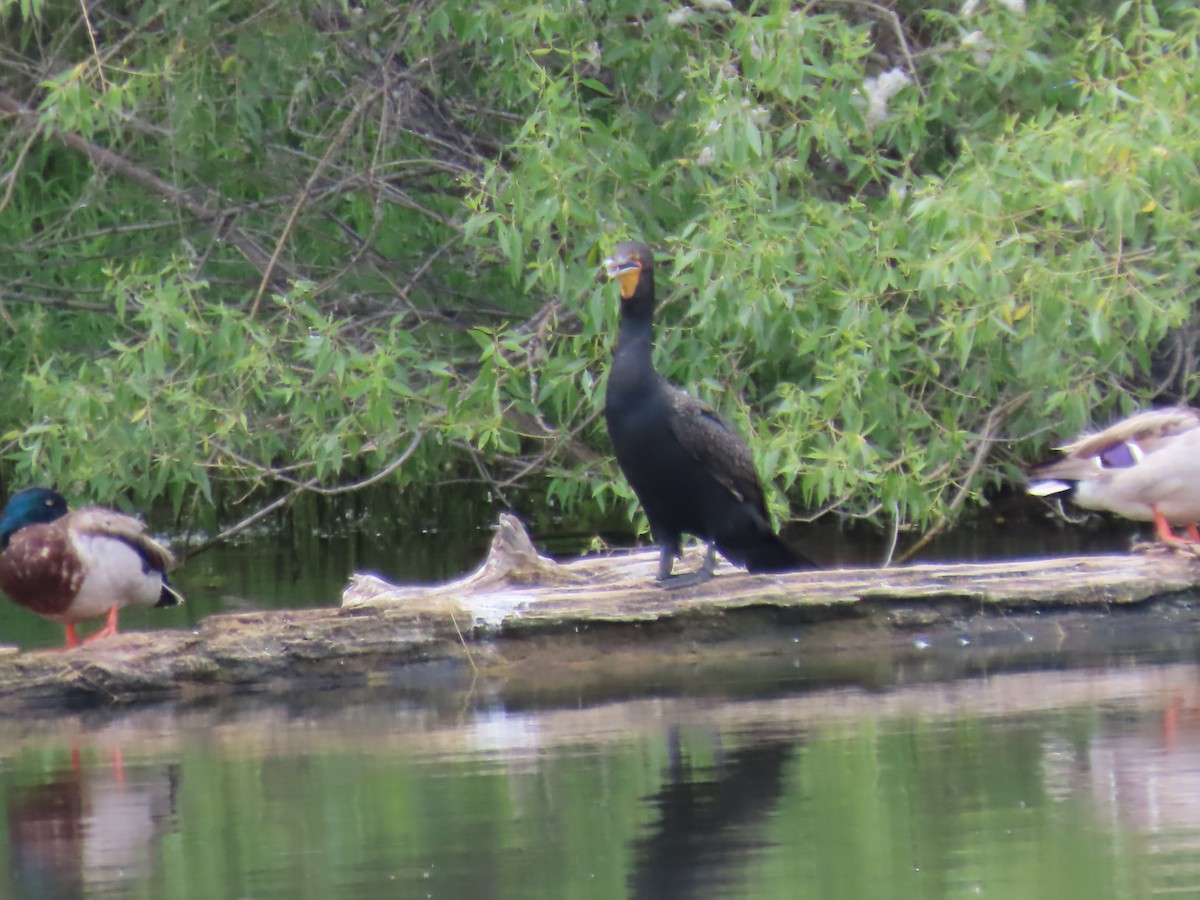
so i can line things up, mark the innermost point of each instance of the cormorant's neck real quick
(631, 378)
(636, 334)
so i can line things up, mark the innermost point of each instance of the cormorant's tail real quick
(771, 553)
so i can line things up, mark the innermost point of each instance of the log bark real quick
(520, 612)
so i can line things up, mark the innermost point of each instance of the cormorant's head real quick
(30, 507)
(629, 262)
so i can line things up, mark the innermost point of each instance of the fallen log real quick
(521, 612)
(517, 589)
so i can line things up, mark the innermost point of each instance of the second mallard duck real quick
(1145, 468)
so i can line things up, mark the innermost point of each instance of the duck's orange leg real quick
(1162, 528)
(109, 629)
(1162, 531)
(72, 637)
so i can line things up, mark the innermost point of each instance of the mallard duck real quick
(1145, 468)
(82, 564)
(691, 472)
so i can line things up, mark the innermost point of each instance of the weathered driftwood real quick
(516, 589)
(490, 619)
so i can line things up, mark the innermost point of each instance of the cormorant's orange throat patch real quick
(628, 279)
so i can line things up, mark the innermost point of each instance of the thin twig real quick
(245, 523)
(343, 132)
(894, 537)
(11, 178)
(898, 27)
(7, 296)
(378, 476)
(310, 486)
(87, 22)
(995, 417)
(462, 640)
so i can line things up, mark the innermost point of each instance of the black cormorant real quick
(691, 471)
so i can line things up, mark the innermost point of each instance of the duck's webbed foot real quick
(1167, 536)
(109, 629)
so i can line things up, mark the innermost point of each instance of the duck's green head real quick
(30, 507)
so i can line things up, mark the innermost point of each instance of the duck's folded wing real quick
(1147, 430)
(99, 522)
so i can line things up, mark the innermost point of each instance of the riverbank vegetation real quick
(254, 250)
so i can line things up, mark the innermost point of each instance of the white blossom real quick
(679, 16)
(981, 47)
(706, 157)
(714, 5)
(713, 126)
(970, 7)
(879, 90)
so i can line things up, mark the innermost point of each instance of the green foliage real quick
(253, 247)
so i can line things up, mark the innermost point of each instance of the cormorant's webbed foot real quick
(667, 581)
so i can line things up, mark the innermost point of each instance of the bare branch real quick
(982, 448)
(335, 144)
(114, 162)
(310, 486)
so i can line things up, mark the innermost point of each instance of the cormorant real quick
(691, 471)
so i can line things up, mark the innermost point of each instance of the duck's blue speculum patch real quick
(1118, 456)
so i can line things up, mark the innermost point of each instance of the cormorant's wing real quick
(716, 446)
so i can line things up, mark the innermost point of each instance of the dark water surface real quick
(1028, 784)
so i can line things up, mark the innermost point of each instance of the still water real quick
(1057, 784)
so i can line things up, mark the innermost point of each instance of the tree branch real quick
(103, 158)
(310, 486)
(338, 139)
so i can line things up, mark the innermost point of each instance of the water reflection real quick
(88, 830)
(711, 821)
(1032, 784)
(1148, 779)
(1139, 780)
